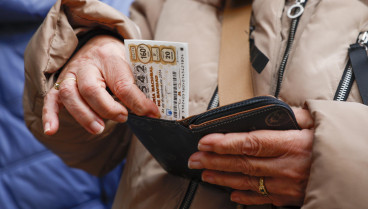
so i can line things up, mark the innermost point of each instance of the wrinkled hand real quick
(238, 160)
(100, 63)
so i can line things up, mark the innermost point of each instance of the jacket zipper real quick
(294, 13)
(345, 84)
(189, 195)
(347, 80)
(193, 185)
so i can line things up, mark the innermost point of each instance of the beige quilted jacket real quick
(317, 59)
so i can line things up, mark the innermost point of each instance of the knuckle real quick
(45, 111)
(103, 52)
(66, 91)
(122, 87)
(292, 174)
(125, 91)
(46, 102)
(248, 183)
(104, 108)
(251, 145)
(245, 166)
(109, 113)
(296, 194)
(108, 51)
(299, 176)
(210, 161)
(88, 90)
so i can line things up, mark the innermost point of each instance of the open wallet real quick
(171, 143)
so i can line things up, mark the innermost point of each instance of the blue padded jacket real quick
(31, 176)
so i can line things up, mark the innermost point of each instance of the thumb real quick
(115, 69)
(304, 118)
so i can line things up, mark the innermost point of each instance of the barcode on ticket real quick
(175, 84)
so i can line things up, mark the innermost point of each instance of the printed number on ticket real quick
(161, 71)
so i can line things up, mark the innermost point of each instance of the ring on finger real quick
(57, 84)
(261, 187)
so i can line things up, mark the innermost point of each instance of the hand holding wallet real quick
(171, 143)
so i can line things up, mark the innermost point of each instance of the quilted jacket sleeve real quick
(339, 171)
(49, 49)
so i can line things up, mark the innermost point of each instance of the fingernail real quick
(158, 115)
(235, 198)
(208, 178)
(96, 127)
(195, 165)
(209, 139)
(47, 128)
(204, 147)
(154, 115)
(122, 118)
(196, 156)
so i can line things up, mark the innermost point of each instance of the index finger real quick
(121, 82)
(263, 143)
(50, 111)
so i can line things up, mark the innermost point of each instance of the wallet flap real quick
(169, 143)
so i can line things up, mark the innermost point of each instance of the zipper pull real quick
(296, 9)
(363, 40)
(359, 62)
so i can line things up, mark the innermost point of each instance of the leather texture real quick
(171, 143)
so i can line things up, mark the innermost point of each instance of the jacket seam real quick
(88, 202)
(94, 21)
(52, 41)
(27, 160)
(12, 195)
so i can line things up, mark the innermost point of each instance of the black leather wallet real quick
(171, 143)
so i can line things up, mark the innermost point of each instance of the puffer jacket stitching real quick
(49, 50)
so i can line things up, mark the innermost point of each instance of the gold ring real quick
(57, 85)
(262, 188)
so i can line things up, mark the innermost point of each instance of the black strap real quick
(359, 62)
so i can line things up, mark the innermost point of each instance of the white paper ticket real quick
(161, 71)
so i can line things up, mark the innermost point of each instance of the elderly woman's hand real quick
(239, 160)
(100, 63)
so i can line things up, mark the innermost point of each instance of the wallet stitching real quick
(225, 108)
(218, 120)
(239, 118)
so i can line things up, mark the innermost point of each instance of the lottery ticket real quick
(161, 71)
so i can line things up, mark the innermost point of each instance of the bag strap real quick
(234, 74)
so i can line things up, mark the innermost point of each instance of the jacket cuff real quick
(338, 176)
(83, 39)
(49, 49)
(57, 38)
